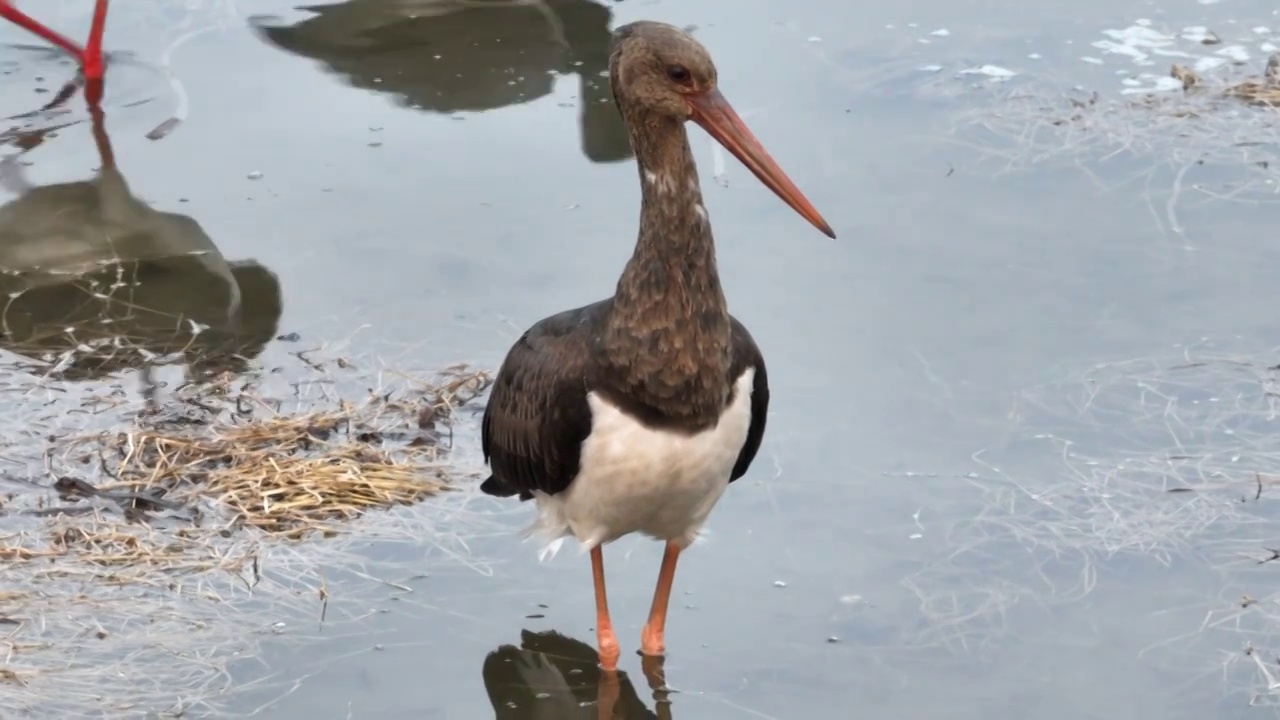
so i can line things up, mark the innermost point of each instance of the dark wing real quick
(745, 355)
(537, 416)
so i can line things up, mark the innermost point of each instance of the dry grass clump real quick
(141, 560)
(289, 475)
(282, 475)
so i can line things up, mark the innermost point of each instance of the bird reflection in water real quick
(553, 677)
(94, 281)
(450, 56)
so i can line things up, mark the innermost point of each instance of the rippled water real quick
(1027, 333)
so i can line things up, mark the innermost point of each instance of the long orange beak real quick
(717, 117)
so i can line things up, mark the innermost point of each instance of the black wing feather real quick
(537, 416)
(746, 354)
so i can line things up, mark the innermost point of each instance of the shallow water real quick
(914, 539)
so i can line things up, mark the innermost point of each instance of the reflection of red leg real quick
(100, 138)
(651, 638)
(93, 92)
(607, 640)
(94, 67)
(607, 694)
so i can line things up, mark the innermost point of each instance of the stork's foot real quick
(610, 651)
(652, 642)
(606, 639)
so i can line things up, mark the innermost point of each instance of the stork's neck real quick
(669, 331)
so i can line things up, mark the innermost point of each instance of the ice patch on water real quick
(1137, 41)
(1197, 46)
(995, 72)
(1206, 64)
(1149, 83)
(1140, 43)
(1199, 34)
(1234, 53)
(1138, 55)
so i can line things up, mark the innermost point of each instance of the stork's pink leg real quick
(653, 635)
(90, 57)
(605, 637)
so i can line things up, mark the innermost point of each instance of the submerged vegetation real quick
(1227, 120)
(1171, 459)
(1046, 126)
(133, 557)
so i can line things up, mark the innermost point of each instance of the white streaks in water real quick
(1198, 34)
(994, 72)
(1234, 53)
(1159, 83)
(1138, 41)
(1205, 64)
(1152, 45)
(1200, 47)
(718, 170)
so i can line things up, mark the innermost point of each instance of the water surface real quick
(916, 537)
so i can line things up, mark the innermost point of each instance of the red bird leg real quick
(94, 67)
(652, 637)
(90, 59)
(605, 637)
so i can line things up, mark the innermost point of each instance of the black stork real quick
(634, 413)
(89, 56)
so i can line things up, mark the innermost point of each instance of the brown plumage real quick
(628, 415)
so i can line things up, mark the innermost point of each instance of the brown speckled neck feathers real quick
(667, 340)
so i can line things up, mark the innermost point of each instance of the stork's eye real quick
(679, 73)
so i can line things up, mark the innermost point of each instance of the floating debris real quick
(1202, 35)
(1264, 91)
(1184, 75)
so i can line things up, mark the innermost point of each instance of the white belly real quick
(636, 479)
